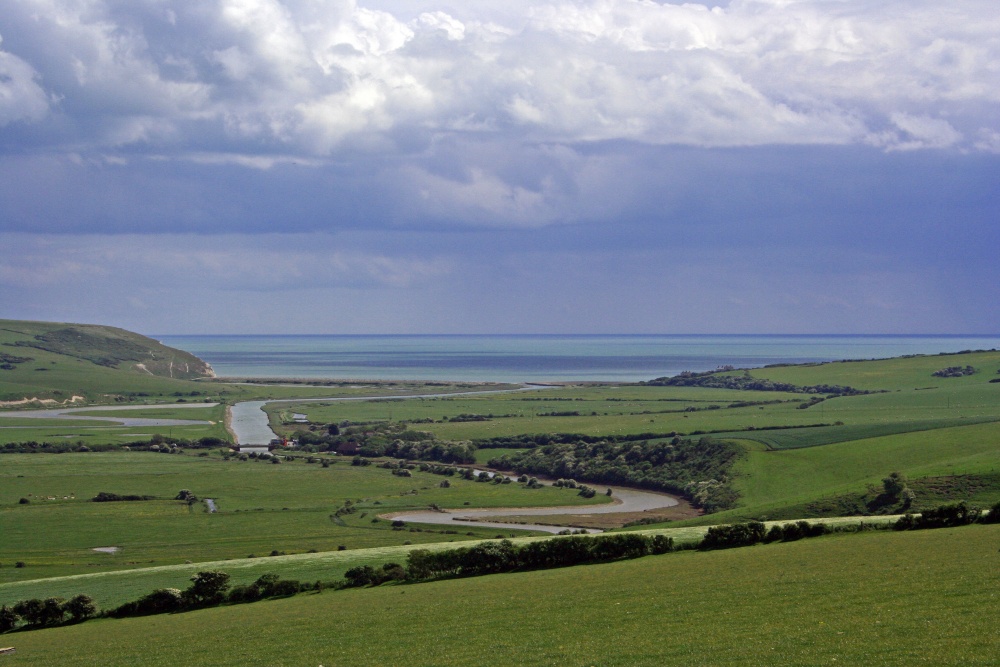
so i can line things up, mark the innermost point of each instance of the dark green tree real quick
(894, 484)
(8, 618)
(31, 611)
(80, 607)
(207, 588)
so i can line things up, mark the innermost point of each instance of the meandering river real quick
(249, 424)
(625, 500)
(74, 413)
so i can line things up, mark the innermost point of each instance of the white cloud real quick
(21, 98)
(317, 75)
(915, 132)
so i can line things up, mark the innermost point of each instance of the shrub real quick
(207, 588)
(8, 618)
(993, 516)
(187, 496)
(735, 535)
(106, 497)
(945, 516)
(362, 575)
(243, 594)
(661, 544)
(80, 607)
(30, 611)
(160, 601)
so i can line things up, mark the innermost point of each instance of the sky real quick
(422, 166)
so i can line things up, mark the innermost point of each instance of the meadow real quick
(262, 508)
(870, 598)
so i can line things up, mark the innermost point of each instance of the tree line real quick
(212, 587)
(699, 469)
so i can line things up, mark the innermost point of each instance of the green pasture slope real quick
(924, 597)
(55, 361)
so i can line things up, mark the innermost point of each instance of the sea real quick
(540, 358)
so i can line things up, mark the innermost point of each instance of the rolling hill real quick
(41, 361)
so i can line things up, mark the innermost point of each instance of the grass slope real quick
(925, 597)
(50, 360)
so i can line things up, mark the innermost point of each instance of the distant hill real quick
(47, 360)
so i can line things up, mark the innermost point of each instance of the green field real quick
(925, 597)
(262, 507)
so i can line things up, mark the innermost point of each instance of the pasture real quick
(263, 507)
(861, 599)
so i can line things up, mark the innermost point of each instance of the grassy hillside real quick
(54, 361)
(874, 598)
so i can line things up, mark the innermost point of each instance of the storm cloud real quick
(746, 162)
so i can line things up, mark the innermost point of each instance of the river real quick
(625, 500)
(249, 423)
(73, 413)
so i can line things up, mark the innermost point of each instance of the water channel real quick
(249, 424)
(75, 413)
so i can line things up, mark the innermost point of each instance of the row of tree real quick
(696, 469)
(212, 587)
(755, 532)
(50, 611)
(746, 382)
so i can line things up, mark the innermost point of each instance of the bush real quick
(661, 544)
(363, 575)
(160, 601)
(735, 535)
(187, 496)
(8, 619)
(30, 611)
(993, 516)
(945, 516)
(106, 497)
(207, 588)
(80, 607)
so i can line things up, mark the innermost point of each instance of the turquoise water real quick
(607, 358)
